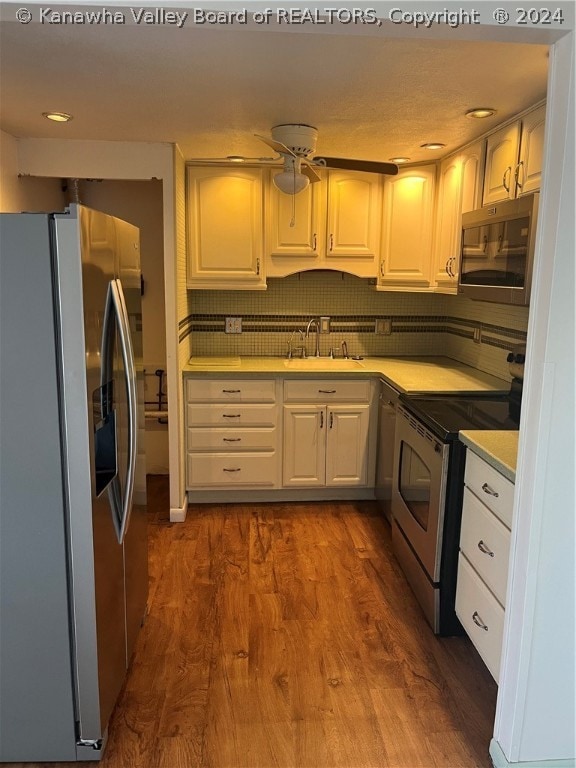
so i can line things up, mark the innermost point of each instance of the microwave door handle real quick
(129, 369)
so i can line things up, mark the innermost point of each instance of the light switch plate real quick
(383, 326)
(233, 325)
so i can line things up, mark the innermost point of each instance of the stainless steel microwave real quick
(497, 251)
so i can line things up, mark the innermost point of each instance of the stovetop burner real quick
(447, 415)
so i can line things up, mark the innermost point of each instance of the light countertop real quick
(498, 447)
(437, 375)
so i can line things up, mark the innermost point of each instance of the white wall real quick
(535, 718)
(57, 158)
(24, 193)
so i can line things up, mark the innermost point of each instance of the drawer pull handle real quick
(478, 621)
(483, 548)
(491, 492)
(236, 440)
(327, 391)
(237, 469)
(232, 391)
(231, 415)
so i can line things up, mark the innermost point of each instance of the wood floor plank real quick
(286, 636)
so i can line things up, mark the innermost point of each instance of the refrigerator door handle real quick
(118, 304)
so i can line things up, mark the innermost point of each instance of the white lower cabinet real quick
(325, 445)
(236, 438)
(483, 558)
(327, 434)
(231, 434)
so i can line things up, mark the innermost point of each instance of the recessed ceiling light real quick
(433, 145)
(480, 112)
(399, 160)
(57, 117)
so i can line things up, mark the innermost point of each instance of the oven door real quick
(419, 490)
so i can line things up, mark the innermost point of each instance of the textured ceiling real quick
(211, 89)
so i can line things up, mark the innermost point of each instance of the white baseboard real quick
(178, 514)
(499, 760)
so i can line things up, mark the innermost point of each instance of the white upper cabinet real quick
(332, 224)
(459, 187)
(407, 229)
(529, 176)
(514, 159)
(225, 235)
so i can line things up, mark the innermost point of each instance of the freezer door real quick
(85, 248)
(119, 409)
(135, 539)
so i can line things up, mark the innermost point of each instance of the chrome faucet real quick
(316, 323)
(301, 348)
(345, 350)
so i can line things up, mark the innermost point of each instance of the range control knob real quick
(510, 358)
(520, 359)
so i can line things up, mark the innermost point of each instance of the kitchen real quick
(57, 158)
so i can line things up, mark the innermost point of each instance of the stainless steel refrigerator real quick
(73, 552)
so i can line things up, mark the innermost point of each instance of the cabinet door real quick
(347, 445)
(448, 224)
(295, 228)
(225, 235)
(472, 173)
(407, 228)
(529, 172)
(501, 159)
(304, 445)
(354, 215)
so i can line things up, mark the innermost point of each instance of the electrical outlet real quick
(383, 326)
(477, 335)
(324, 325)
(233, 325)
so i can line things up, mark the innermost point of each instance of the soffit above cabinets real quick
(210, 89)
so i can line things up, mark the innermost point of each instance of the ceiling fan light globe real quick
(290, 183)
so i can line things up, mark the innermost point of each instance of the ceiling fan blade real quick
(307, 170)
(390, 169)
(277, 146)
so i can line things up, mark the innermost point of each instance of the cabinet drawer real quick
(230, 390)
(486, 543)
(206, 469)
(496, 491)
(228, 440)
(223, 415)
(481, 616)
(326, 391)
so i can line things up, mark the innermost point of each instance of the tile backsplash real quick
(421, 323)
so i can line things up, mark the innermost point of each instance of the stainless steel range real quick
(428, 484)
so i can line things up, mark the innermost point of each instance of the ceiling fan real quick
(295, 143)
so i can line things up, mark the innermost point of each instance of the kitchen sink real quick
(323, 364)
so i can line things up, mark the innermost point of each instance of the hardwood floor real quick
(285, 636)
